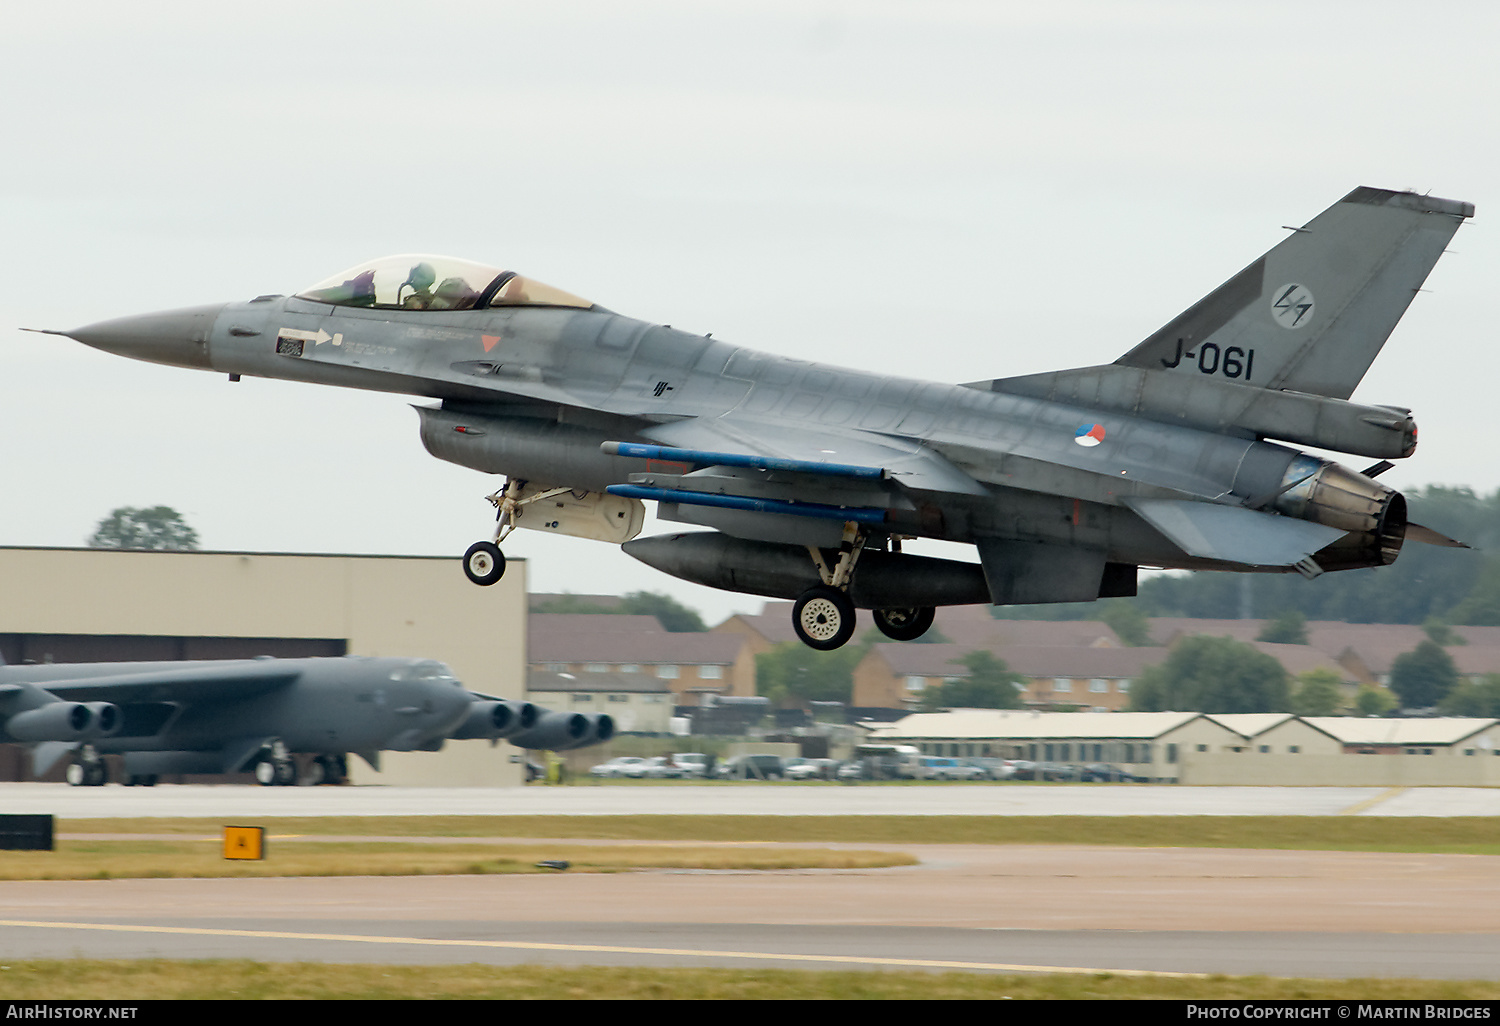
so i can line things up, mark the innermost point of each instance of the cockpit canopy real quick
(413, 281)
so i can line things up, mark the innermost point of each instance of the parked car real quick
(751, 767)
(695, 764)
(932, 767)
(854, 769)
(994, 769)
(810, 769)
(663, 768)
(621, 766)
(1103, 771)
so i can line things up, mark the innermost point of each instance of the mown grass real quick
(141, 858)
(1472, 835)
(145, 979)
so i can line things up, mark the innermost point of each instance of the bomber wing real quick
(229, 682)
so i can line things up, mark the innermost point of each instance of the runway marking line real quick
(914, 963)
(1368, 803)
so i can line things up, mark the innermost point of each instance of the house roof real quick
(643, 648)
(1249, 725)
(549, 681)
(910, 660)
(1021, 723)
(1370, 730)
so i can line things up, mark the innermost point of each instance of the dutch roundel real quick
(1089, 434)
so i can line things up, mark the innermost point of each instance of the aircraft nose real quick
(178, 338)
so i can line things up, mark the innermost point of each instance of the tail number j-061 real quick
(1232, 361)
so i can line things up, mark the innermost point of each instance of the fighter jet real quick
(811, 477)
(227, 716)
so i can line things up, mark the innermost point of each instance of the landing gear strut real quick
(823, 617)
(484, 563)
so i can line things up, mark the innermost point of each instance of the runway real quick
(749, 799)
(973, 908)
(1015, 908)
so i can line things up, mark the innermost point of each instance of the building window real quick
(629, 668)
(1265, 749)
(667, 672)
(1122, 686)
(1171, 753)
(619, 698)
(1062, 684)
(583, 698)
(1294, 749)
(710, 672)
(916, 683)
(595, 668)
(1203, 748)
(1099, 686)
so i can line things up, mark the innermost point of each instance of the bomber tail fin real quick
(1312, 314)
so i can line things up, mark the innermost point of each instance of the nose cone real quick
(178, 338)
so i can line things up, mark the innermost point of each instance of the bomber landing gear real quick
(87, 769)
(905, 624)
(484, 563)
(276, 768)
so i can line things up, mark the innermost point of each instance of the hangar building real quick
(85, 605)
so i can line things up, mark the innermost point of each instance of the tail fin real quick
(1312, 314)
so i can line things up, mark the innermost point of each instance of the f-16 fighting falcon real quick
(810, 477)
(227, 716)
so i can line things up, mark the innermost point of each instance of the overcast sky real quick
(945, 190)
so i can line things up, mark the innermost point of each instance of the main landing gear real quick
(823, 616)
(484, 563)
(87, 769)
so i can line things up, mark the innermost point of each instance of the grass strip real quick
(1471, 835)
(236, 979)
(165, 859)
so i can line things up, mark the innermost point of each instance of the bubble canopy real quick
(415, 281)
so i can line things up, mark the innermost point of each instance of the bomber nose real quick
(178, 338)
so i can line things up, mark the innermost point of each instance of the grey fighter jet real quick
(227, 716)
(810, 477)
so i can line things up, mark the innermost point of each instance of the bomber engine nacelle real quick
(66, 721)
(560, 731)
(494, 720)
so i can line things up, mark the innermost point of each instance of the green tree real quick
(159, 528)
(1441, 633)
(792, 673)
(1373, 701)
(989, 685)
(1423, 677)
(1289, 628)
(1474, 698)
(1213, 675)
(1318, 693)
(673, 615)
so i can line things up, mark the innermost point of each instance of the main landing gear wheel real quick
(904, 624)
(484, 563)
(823, 618)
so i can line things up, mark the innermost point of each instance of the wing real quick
(225, 682)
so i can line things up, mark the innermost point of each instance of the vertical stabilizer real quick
(1312, 314)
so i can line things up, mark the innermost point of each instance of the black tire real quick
(286, 774)
(905, 624)
(484, 563)
(823, 618)
(96, 775)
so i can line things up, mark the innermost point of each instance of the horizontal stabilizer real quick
(1427, 536)
(1233, 533)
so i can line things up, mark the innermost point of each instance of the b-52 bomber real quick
(811, 477)
(237, 715)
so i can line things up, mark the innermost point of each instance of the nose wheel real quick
(484, 563)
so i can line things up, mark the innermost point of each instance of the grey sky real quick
(948, 190)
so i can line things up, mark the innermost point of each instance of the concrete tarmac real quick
(1022, 908)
